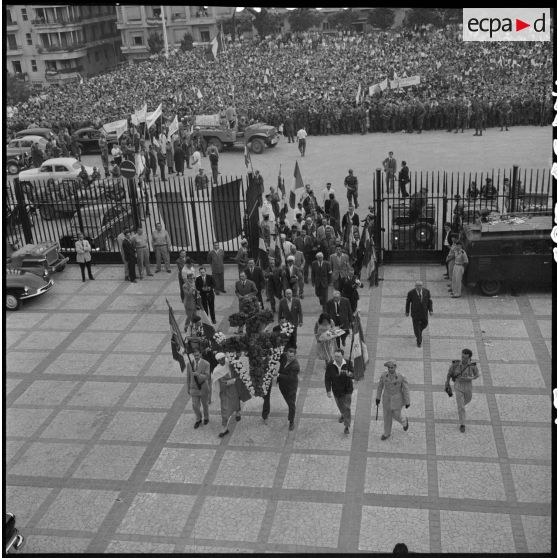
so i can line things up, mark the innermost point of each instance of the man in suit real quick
(396, 394)
(287, 380)
(321, 273)
(290, 309)
(205, 286)
(291, 275)
(350, 218)
(340, 266)
(334, 213)
(339, 308)
(390, 166)
(197, 380)
(244, 288)
(308, 249)
(420, 304)
(216, 259)
(339, 380)
(256, 275)
(130, 256)
(299, 263)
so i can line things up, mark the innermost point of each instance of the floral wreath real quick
(287, 328)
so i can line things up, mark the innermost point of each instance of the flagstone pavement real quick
(102, 456)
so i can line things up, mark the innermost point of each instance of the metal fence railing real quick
(194, 218)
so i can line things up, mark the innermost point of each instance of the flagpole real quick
(165, 31)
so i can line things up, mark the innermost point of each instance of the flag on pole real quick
(199, 94)
(360, 351)
(265, 79)
(281, 183)
(152, 117)
(173, 128)
(177, 342)
(142, 113)
(247, 158)
(134, 119)
(217, 45)
(358, 94)
(208, 327)
(299, 183)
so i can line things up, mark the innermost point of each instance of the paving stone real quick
(48, 460)
(532, 482)
(317, 472)
(451, 327)
(78, 509)
(537, 530)
(143, 342)
(63, 320)
(69, 424)
(93, 341)
(121, 547)
(46, 392)
(23, 320)
(164, 366)
(317, 401)
(11, 448)
(516, 375)
(13, 337)
(493, 532)
(244, 468)
(450, 349)
(109, 462)
(24, 361)
(11, 384)
(132, 302)
(25, 422)
(546, 328)
(156, 322)
(54, 544)
(406, 274)
(306, 524)
(506, 351)
(412, 441)
(322, 433)
(133, 426)
(445, 407)
(524, 408)
(541, 306)
(112, 322)
(468, 479)
(153, 395)
(523, 442)
(164, 514)
(476, 441)
(24, 501)
(378, 531)
(399, 347)
(181, 465)
(448, 307)
(99, 394)
(231, 519)
(192, 549)
(80, 302)
(503, 328)
(118, 364)
(411, 478)
(251, 431)
(73, 363)
(42, 339)
(54, 301)
(496, 306)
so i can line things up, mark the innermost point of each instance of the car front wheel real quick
(13, 168)
(490, 287)
(258, 146)
(12, 302)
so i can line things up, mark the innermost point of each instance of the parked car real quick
(18, 147)
(57, 169)
(41, 259)
(22, 285)
(89, 139)
(46, 133)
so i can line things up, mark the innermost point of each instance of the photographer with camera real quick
(462, 372)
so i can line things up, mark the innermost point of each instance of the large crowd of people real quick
(313, 81)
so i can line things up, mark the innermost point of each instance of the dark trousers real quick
(82, 266)
(302, 146)
(288, 391)
(259, 295)
(132, 269)
(341, 339)
(418, 325)
(265, 408)
(208, 303)
(344, 406)
(321, 293)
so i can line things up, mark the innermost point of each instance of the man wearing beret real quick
(395, 390)
(420, 305)
(462, 372)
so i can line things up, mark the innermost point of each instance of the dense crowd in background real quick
(313, 80)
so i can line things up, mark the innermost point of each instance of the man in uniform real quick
(395, 391)
(462, 372)
(351, 184)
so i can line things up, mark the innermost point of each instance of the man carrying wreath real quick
(290, 309)
(225, 378)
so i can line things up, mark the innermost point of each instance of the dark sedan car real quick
(46, 133)
(89, 139)
(21, 285)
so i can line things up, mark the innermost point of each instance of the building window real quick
(9, 20)
(24, 14)
(138, 40)
(16, 64)
(12, 43)
(28, 38)
(33, 65)
(50, 65)
(156, 12)
(133, 13)
(204, 34)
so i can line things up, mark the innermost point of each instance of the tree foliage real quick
(381, 17)
(343, 20)
(17, 90)
(423, 16)
(266, 22)
(303, 19)
(187, 42)
(155, 43)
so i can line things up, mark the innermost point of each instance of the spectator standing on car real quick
(142, 249)
(161, 243)
(390, 166)
(404, 179)
(83, 256)
(130, 255)
(213, 154)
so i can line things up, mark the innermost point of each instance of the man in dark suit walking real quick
(321, 276)
(256, 275)
(244, 288)
(205, 285)
(290, 309)
(339, 308)
(420, 305)
(287, 380)
(130, 255)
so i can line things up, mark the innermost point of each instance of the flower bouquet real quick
(286, 329)
(219, 337)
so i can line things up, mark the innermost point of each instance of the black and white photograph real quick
(279, 280)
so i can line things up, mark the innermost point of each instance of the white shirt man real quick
(301, 134)
(326, 191)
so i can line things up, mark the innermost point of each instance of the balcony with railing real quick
(63, 73)
(57, 21)
(70, 47)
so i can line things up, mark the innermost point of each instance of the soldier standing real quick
(462, 372)
(395, 391)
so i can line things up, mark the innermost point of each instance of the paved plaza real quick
(102, 455)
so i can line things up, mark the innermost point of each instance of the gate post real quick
(194, 214)
(134, 201)
(378, 227)
(514, 188)
(22, 210)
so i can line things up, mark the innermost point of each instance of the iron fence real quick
(411, 220)
(194, 218)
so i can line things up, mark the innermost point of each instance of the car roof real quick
(29, 131)
(60, 160)
(31, 137)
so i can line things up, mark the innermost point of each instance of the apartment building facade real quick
(55, 44)
(137, 23)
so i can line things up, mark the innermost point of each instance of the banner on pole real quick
(404, 82)
(173, 128)
(118, 126)
(151, 117)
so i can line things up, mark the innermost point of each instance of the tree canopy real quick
(303, 19)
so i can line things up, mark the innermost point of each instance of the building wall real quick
(55, 44)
